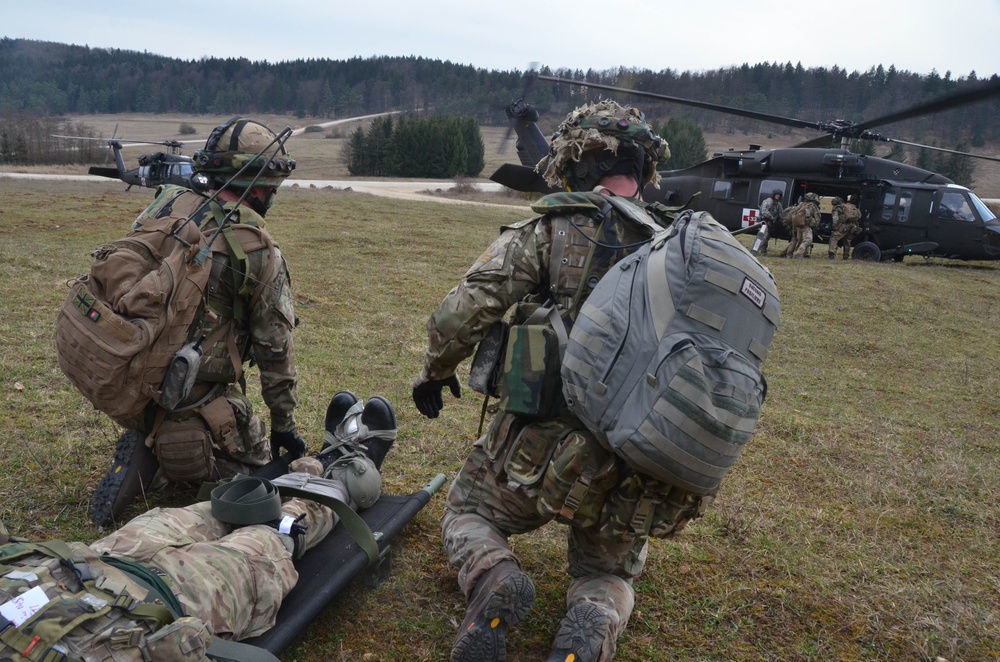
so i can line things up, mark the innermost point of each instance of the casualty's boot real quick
(379, 418)
(353, 426)
(337, 410)
(501, 598)
(583, 636)
(130, 475)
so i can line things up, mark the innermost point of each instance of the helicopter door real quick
(903, 216)
(954, 224)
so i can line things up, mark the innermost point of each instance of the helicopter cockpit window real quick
(955, 206)
(984, 212)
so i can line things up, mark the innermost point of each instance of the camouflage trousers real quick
(485, 506)
(841, 235)
(233, 579)
(801, 243)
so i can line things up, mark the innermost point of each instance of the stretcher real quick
(326, 569)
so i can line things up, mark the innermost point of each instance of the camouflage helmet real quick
(243, 145)
(777, 193)
(602, 139)
(811, 197)
(837, 201)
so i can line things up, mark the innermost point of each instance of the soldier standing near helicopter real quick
(770, 214)
(804, 217)
(845, 226)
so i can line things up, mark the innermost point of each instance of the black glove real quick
(427, 395)
(290, 441)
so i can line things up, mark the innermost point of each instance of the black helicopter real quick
(154, 169)
(905, 210)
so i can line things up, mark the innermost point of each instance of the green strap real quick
(234, 651)
(150, 580)
(240, 270)
(349, 519)
(246, 500)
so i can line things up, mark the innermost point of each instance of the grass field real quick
(861, 524)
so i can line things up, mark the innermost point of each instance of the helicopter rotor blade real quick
(730, 110)
(835, 130)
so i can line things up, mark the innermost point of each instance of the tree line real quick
(48, 79)
(439, 147)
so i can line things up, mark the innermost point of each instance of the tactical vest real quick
(84, 608)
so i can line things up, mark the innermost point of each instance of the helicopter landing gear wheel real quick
(867, 252)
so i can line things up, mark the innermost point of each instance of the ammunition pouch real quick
(184, 449)
(641, 507)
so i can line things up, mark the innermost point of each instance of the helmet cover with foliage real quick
(242, 143)
(811, 197)
(602, 139)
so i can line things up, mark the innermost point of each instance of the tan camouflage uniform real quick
(231, 579)
(843, 229)
(263, 332)
(802, 237)
(517, 477)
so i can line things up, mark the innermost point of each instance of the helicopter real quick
(905, 210)
(154, 169)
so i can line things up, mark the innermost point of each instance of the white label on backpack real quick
(20, 608)
(753, 291)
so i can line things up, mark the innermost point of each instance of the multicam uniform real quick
(232, 580)
(259, 313)
(845, 226)
(527, 471)
(802, 237)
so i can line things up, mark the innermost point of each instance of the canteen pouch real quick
(220, 417)
(531, 384)
(577, 479)
(184, 449)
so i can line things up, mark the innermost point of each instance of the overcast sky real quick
(687, 35)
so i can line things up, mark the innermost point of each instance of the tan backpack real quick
(124, 324)
(799, 216)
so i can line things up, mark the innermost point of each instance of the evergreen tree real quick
(686, 141)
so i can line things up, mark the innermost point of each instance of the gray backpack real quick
(663, 362)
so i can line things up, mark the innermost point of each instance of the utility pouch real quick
(221, 421)
(529, 455)
(184, 449)
(180, 377)
(531, 383)
(577, 479)
(487, 363)
(184, 640)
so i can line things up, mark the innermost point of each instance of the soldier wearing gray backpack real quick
(539, 460)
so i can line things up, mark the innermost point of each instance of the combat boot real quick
(501, 598)
(130, 475)
(583, 636)
(832, 256)
(354, 426)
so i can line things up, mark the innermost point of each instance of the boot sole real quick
(581, 635)
(484, 640)
(127, 478)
